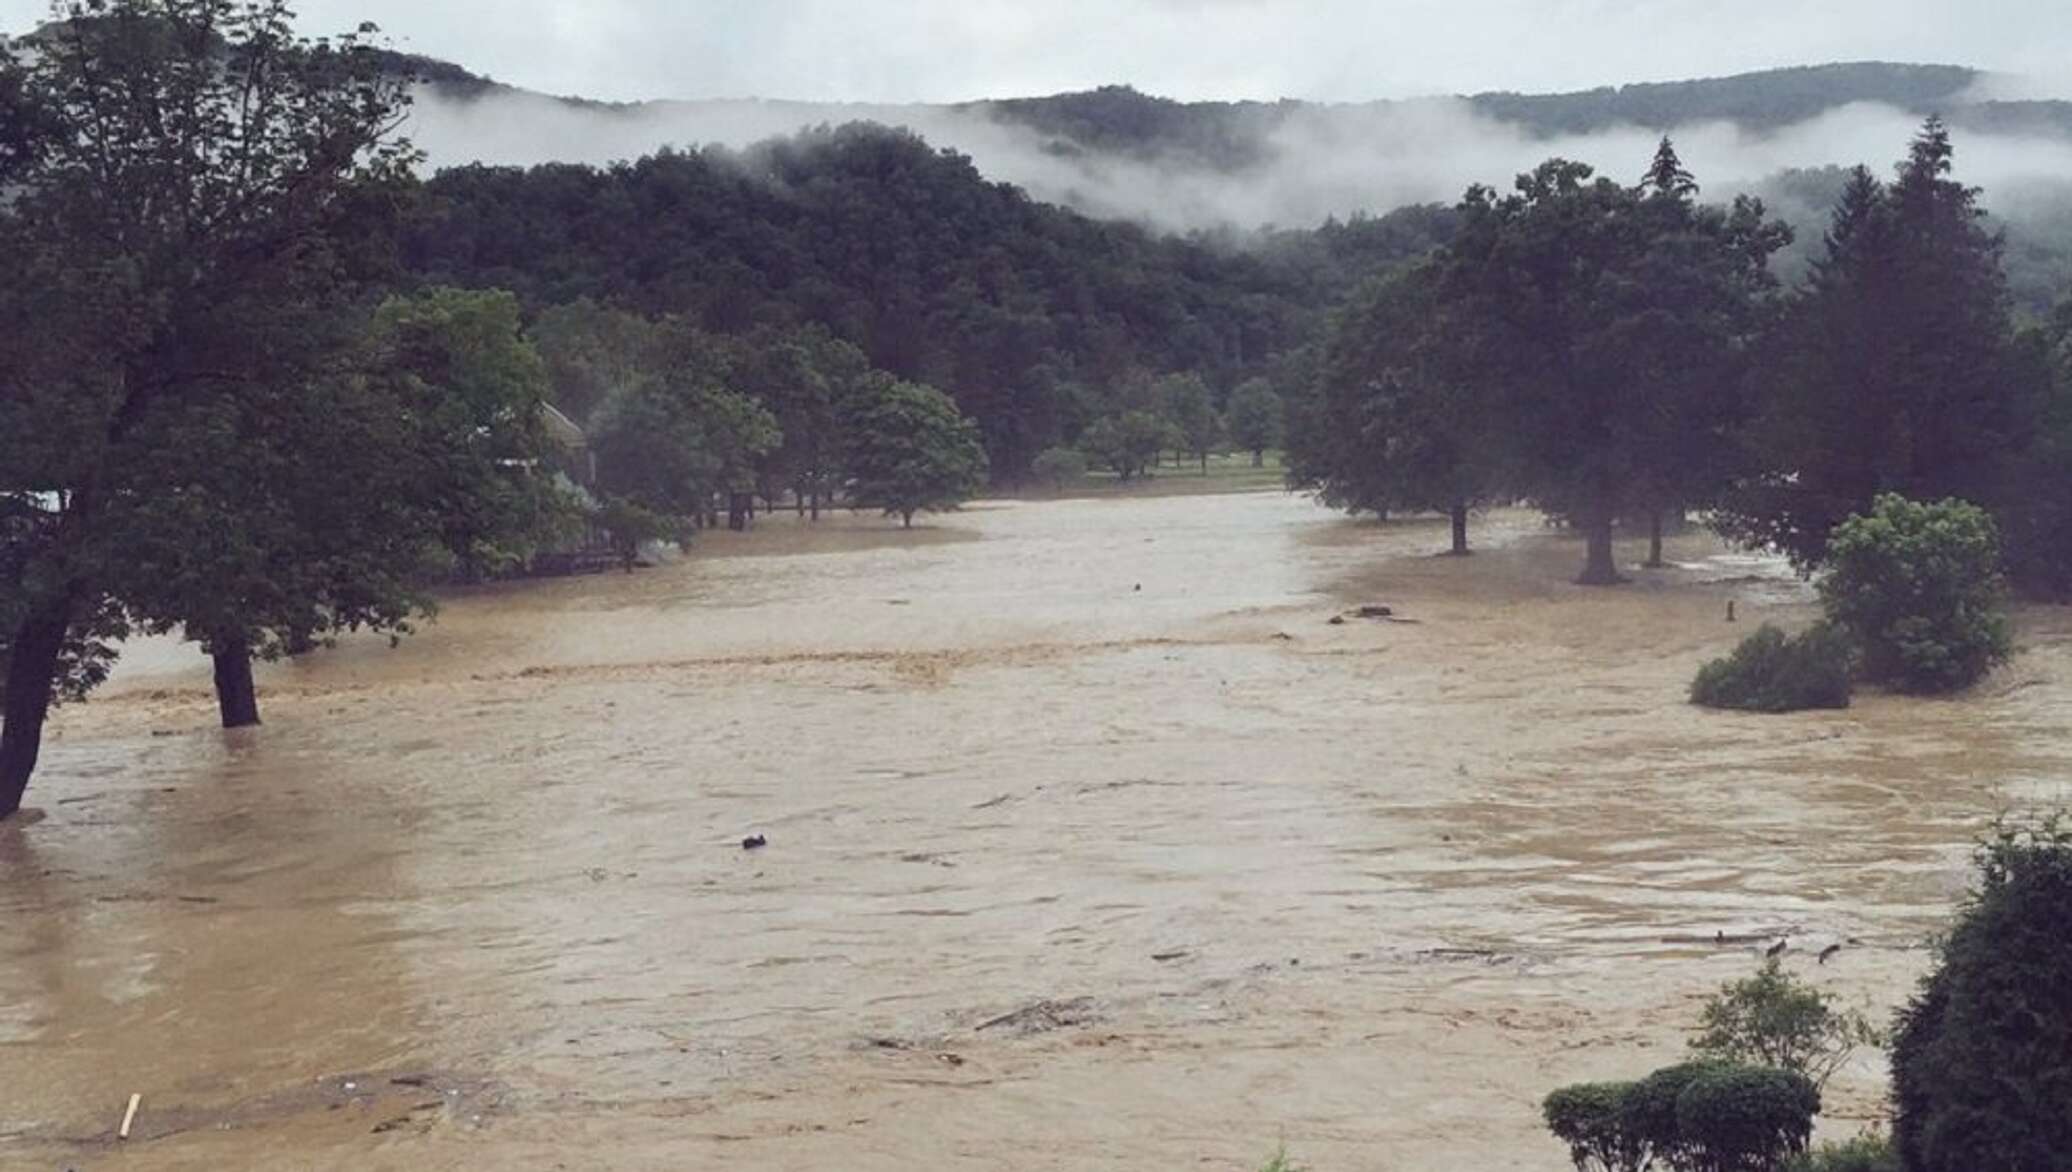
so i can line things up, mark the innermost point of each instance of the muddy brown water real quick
(1063, 873)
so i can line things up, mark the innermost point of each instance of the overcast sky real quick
(946, 50)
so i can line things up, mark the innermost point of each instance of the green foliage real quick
(1918, 587)
(130, 320)
(1745, 1118)
(1703, 1116)
(1651, 1110)
(476, 389)
(1774, 672)
(679, 436)
(1060, 467)
(1254, 418)
(1190, 409)
(1592, 1119)
(1774, 1019)
(1894, 369)
(1610, 326)
(1865, 1153)
(1281, 1162)
(1127, 444)
(1982, 1059)
(910, 449)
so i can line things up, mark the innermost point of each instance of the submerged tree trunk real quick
(1258, 457)
(739, 510)
(1204, 463)
(1460, 529)
(237, 698)
(815, 506)
(1655, 561)
(1600, 569)
(906, 519)
(32, 667)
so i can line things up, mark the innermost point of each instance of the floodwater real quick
(1092, 845)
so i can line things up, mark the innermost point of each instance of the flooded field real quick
(1092, 845)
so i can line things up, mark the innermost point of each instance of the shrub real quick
(1745, 1118)
(1865, 1153)
(1918, 586)
(1772, 672)
(1059, 467)
(1982, 1062)
(1774, 1019)
(1591, 1119)
(1651, 1109)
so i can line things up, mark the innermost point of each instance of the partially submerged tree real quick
(1775, 1019)
(1604, 304)
(1918, 586)
(176, 206)
(910, 450)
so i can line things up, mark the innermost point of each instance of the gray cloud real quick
(945, 50)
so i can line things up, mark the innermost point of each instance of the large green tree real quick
(182, 179)
(910, 449)
(1598, 300)
(1408, 418)
(680, 435)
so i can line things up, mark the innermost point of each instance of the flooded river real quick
(1092, 845)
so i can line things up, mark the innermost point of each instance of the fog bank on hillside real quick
(1322, 161)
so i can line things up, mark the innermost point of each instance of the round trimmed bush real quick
(1591, 1119)
(1742, 1118)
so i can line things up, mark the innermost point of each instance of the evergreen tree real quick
(1896, 370)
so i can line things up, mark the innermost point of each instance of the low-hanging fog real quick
(1315, 161)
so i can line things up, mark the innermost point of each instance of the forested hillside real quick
(1028, 314)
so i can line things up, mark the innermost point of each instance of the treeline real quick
(1033, 318)
(1624, 353)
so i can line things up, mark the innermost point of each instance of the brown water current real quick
(1062, 873)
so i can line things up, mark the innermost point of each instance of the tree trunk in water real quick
(798, 496)
(737, 511)
(906, 519)
(1655, 561)
(1204, 463)
(1259, 458)
(31, 670)
(1460, 530)
(816, 505)
(236, 696)
(1382, 513)
(1601, 569)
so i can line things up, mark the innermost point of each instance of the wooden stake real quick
(129, 1116)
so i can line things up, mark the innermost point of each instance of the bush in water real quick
(1918, 586)
(1591, 1119)
(1773, 672)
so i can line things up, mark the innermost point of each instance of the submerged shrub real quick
(1918, 587)
(1982, 1060)
(1745, 1118)
(1773, 672)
